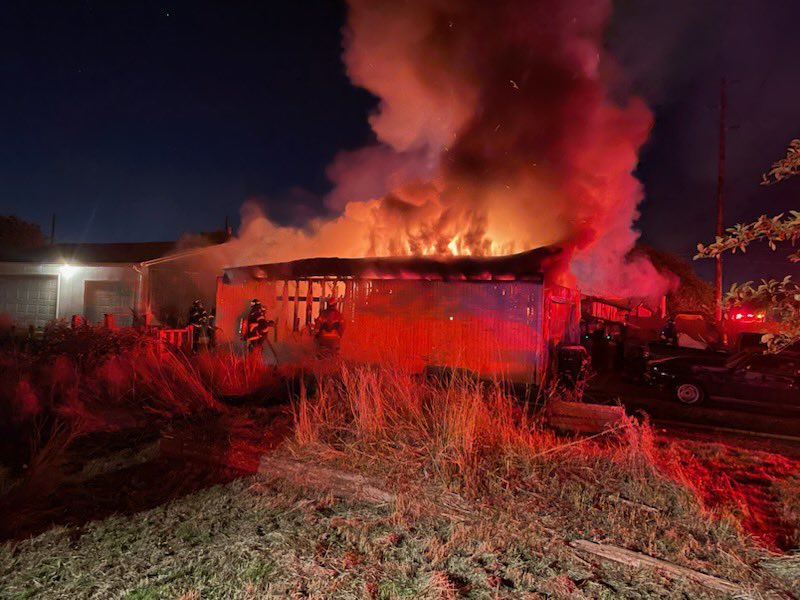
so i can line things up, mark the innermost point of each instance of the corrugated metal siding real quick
(601, 310)
(563, 309)
(491, 328)
(498, 329)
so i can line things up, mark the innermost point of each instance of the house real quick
(158, 279)
(496, 316)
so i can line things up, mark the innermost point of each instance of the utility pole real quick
(53, 230)
(720, 200)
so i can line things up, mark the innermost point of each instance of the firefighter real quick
(328, 330)
(257, 311)
(197, 314)
(198, 321)
(669, 334)
(256, 328)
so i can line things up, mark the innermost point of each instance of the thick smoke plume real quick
(495, 134)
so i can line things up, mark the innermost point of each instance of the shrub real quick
(91, 379)
(88, 346)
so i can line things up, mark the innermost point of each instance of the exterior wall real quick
(492, 328)
(597, 308)
(496, 328)
(72, 283)
(165, 290)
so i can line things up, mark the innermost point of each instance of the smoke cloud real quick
(496, 133)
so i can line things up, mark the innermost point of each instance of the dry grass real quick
(473, 441)
(84, 381)
(470, 434)
(89, 389)
(758, 490)
(139, 383)
(229, 374)
(486, 501)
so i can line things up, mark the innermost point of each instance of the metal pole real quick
(296, 309)
(720, 200)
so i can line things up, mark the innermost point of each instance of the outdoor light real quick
(67, 271)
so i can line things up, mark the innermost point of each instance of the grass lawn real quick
(487, 502)
(252, 539)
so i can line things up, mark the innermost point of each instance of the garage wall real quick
(72, 291)
(109, 297)
(71, 286)
(29, 299)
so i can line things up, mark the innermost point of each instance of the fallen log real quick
(638, 560)
(339, 483)
(580, 417)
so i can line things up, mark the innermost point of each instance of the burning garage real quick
(497, 316)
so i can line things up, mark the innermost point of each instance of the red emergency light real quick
(749, 316)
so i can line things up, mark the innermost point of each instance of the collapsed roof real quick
(525, 266)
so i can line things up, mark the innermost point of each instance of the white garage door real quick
(108, 297)
(29, 299)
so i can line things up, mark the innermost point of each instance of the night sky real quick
(140, 120)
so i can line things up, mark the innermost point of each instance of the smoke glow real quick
(495, 134)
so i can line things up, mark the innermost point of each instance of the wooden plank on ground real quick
(580, 417)
(340, 483)
(639, 560)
